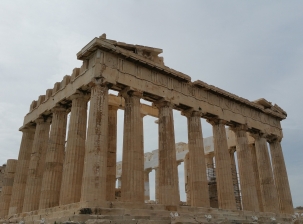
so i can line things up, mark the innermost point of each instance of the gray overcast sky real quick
(251, 48)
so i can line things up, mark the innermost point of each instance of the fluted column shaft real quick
(95, 162)
(36, 166)
(268, 190)
(52, 176)
(248, 185)
(19, 185)
(75, 151)
(132, 188)
(226, 199)
(198, 176)
(280, 177)
(7, 187)
(168, 171)
(187, 179)
(146, 185)
(256, 175)
(111, 153)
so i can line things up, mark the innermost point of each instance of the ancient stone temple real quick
(75, 181)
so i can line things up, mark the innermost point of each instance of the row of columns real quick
(84, 170)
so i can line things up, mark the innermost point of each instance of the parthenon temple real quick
(68, 171)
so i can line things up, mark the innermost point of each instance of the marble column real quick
(226, 197)
(187, 179)
(36, 166)
(74, 151)
(24, 157)
(268, 189)
(212, 183)
(256, 175)
(157, 193)
(95, 162)
(52, 176)
(168, 171)
(235, 178)
(146, 185)
(198, 175)
(7, 186)
(280, 176)
(111, 153)
(132, 189)
(248, 185)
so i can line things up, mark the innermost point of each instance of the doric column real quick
(268, 190)
(226, 197)
(248, 185)
(36, 166)
(146, 185)
(256, 175)
(52, 176)
(111, 153)
(95, 162)
(168, 171)
(198, 175)
(7, 186)
(157, 193)
(75, 151)
(133, 155)
(24, 157)
(235, 178)
(280, 176)
(187, 179)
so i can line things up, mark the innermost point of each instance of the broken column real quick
(7, 187)
(52, 176)
(226, 197)
(132, 189)
(95, 163)
(36, 166)
(24, 157)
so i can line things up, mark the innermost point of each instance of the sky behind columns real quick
(253, 49)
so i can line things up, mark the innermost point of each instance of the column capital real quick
(80, 94)
(113, 107)
(238, 127)
(163, 103)
(273, 138)
(215, 121)
(148, 170)
(258, 135)
(101, 81)
(191, 113)
(232, 150)
(59, 108)
(43, 120)
(27, 129)
(130, 91)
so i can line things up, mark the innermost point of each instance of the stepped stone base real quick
(131, 213)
